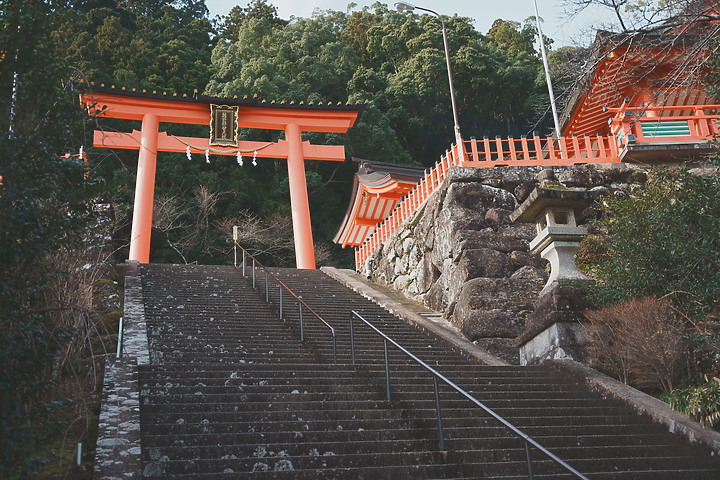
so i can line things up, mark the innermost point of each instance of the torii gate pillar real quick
(144, 190)
(302, 228)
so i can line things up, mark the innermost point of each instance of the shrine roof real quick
(206, 99)
(377, 190)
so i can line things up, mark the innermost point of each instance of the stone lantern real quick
(558, 237)
(553, 330)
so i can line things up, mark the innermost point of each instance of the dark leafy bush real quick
(701, 402)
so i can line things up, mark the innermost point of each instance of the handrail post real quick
(235, 254)
(280, 288)
(267, 288)
(334, 346)
(302, 327)
(528, 455)
(352, 339)
(118, 354)
(387, 372)
(253, 272)
(243, 256)
(441, 432)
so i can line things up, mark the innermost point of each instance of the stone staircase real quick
(231, 393)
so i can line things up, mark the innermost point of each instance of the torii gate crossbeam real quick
(152, 110)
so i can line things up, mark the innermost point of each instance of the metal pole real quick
(547, 71)
(334, 347)
(79, 454)
(118, 354)
(458, 135)
(253, 273)
(441, 432)
(235, 254)
(387, 372)
(243, 255)
(281, 289)
(528, 455)
(352, 340)
(267, 289)
(302, 327)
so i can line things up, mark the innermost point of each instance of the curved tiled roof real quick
(377, 189)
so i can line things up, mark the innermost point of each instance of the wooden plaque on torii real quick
(154, 109)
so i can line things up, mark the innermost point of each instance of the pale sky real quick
(556, 25)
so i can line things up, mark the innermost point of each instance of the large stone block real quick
(581, 176)
(522, 231)
(487, 307)
(469, 240)
(526, 259)
(488, 324)
(480, 262)
(436, 296)
(498, 216)
(478, 197)
(448, 224)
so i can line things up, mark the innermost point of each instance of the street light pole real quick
(404, 7)
(547, 72)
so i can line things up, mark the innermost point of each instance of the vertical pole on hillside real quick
(547, 71)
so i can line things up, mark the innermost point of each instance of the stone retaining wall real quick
(460, 255)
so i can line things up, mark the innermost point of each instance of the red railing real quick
(490, 153)
(540, 151)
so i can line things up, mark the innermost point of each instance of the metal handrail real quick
(437, 375)
(282, 286)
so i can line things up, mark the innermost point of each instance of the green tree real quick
(153, 45)
(230, 24)
(44, 213)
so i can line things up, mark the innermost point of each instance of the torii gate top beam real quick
(253, 113)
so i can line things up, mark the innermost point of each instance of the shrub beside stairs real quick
(231, 393)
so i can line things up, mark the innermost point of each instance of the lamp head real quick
(404, 6)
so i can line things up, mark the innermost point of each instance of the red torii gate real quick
(153, 109)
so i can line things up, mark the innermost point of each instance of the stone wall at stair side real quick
(460, 255)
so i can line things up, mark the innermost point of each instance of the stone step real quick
(285, 462)
(300, 425)
(481, 438)
(295, 397)
(464, 448)
(489, 463)
(369, 472)
(226, 390)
